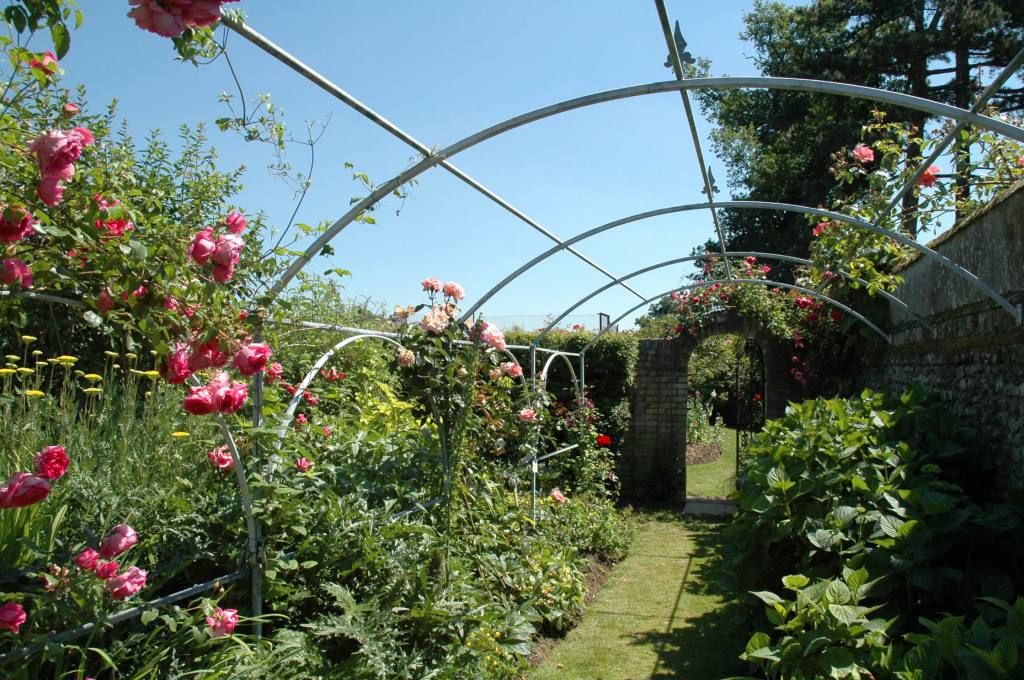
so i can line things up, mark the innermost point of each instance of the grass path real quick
(657, 615)
(714, 479)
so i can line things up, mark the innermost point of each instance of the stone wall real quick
(975, 359)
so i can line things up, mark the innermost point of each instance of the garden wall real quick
(975, 362)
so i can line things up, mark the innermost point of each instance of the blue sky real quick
(443, 70)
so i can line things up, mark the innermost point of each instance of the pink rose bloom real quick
(765, 269)
(105, 301)
(121, 538)
(12, 615)
(202, 246)
(512, 369)
(274, 372)
(527, 415)
(175, 368)
(303, 464)
(864, 153)
(71, 109)
(236, 223)
(836, 315)
(87, 559)
(222, 274)
(222, 622)
(434, 321)
(557, 496)
(151, 15)
(228, 398)
(301, 420)
(310, 398)
(105, 570)
(199, 401)
(206, 355)
(51, 462)
(492, 335)
(929, 176)
(228, 251)
(50, 191)
(406, 357)
(48, 64)
(16, 271)
(326, 430)
(252, 358)
(15, 224)
(125, 584)
(1020, 161)
(750, 259)
(431, 285)
(454, 290)
(221, 458)
(23, 489)
(57, 150)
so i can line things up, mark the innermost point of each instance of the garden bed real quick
(698, 454)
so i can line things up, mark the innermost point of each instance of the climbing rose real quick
(105, 570)
(431, 285)
(820, 228)
(435, 320)
(48, 64)
(1020, 161)
(206, 355)
(864, 153)
(765, 269)
(454, 290)
(12, 615)
(236, 223)
(557, 496)
(118, 540)
(202, 246)
(222, 622)
(221, 458)
(71, 109)
(301, 420)
(274, 372)
(527, 415)
(750, 259)
(228, 250)
(50, 190)
(228, 398)
(57, 150)
(492, 335)
(170, 18)
(175, 369)
(51, 462)
(604, 440)
(23, 489)
(222, 273)
(929, 176)
(126, 584)
(252, 358)
(836, 315)
(16, 271)
(199, 401)
(87, 559)
(105, 301)
(406, 357)
(512, 369)
(303, 464)
(757, 396)
(16, 224)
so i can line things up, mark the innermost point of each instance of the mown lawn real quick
(715, 479)
(658, 615)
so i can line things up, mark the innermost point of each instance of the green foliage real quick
(701, 425)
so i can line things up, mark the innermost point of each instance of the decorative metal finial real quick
(684, 56)
(711, 181)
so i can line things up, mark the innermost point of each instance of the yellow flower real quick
(148, 393)
(179, 435)
(116, 366)
(6, 371)
(79, 373)
(36, 352)
(12, 357)
(26, 371)
(28, 338)
(34, 393)
(135, 371)
(152, 374)
(66, 359)
(54, 361)
(110, 354)
(93, 377)
(153, 352)
(92, 390)
(131, 355)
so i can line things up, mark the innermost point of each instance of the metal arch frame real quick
(547, 364)
(793, 84)
(692, 258)
(759, 282)
(1014, 310)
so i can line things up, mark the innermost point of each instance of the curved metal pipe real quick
(705, 256)
(794, 84)
(759, 282)
(572, 372)
(1013, 309)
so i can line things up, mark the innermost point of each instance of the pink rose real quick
(175, 369)
(206, 355)
(16, 271)
(23, 489)
(765, 269)
(836, 315)
(252, 358)
(750, 259)
(121, 538)
(228, 398)
(87, 559)
(48, 64)
(15, 224)
(50, 191)
(125, 584)
(236, 224)
(202, 246)
(431, 285)
(151, 15)
(51, 462)
(105, 570)
(222, 622)
(406, 357)
(326, 430)
(221, 458)
(929, 176)
(228, 251)
(105, 301)
(274, 372)
(512, 369)
(71, 109)
(863, 153)
(12, 615)
(199, 401)
(492, 335)
(301, 420)
(303, 464)
(435, 321)
(527, 415)
(454, 290)
(557, 496)
(57, 150)
(222, 274)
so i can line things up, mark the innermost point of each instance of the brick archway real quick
(652, 465)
